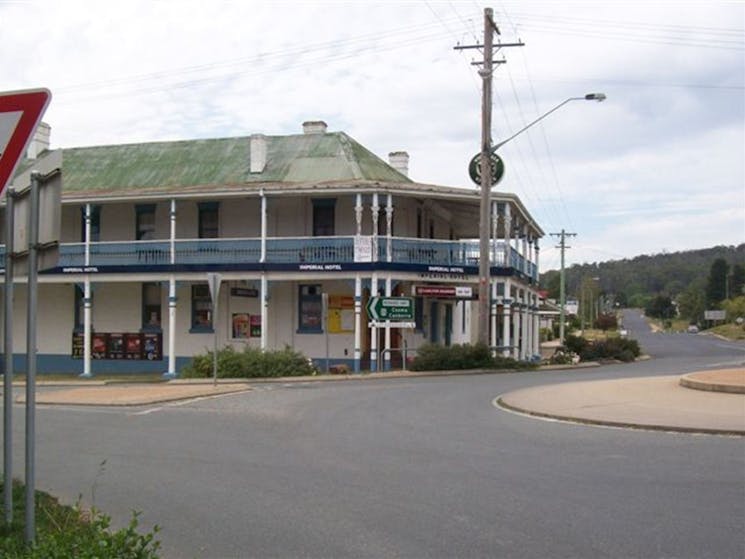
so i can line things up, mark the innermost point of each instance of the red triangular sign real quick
(20, 114)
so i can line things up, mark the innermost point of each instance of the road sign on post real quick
(213, 281)
(20, 114)
(390, 308)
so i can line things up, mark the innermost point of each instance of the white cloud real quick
(630, 175)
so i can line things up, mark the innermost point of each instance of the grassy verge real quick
(675, 325)
(63, 531)
(729, 331)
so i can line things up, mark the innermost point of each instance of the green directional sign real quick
(391, 308)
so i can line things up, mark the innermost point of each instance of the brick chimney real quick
(258, 153)
(399, 160)
(314, 127)
(40, 141)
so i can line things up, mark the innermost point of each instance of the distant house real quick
(302, 229)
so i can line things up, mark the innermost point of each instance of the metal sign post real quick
(8, 373)
(325, 323)
(213, 281)
(33, 241)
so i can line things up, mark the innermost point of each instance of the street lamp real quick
(486, 153)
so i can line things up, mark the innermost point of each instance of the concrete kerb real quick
(500, 403)
(132, 393)
(731, 381)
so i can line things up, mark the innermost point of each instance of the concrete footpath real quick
(704, 402)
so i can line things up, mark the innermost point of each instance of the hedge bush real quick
(435, 357)
(623, 349)
(250, 363)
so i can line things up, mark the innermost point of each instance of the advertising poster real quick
(341, 314)
(256, 326)
(116, 346)
(151, 347)
(77, 346)
(133, 346)
(240, 326)
(98, 346)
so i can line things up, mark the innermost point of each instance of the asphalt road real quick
(422, 467)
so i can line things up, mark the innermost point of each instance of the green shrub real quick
(547, 334)
(623, 349)
(575, 344)
(250, 363)
(435, 357)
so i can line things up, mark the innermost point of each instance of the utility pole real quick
(486, 168)
(562, 283)
(484, 276)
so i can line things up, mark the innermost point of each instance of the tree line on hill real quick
(681, 284)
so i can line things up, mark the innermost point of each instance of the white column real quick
(536, 327)
(171, 372)
(87, 298)
(263, 227)
(528, 324)
(357, 322)
(494, 316)
(507, 319)
(264, 312)
(517, 352)
(375, 211)
(537, 254)
(507, 238)
(358, 295)
(373, 329)
(525, 322)
(387, 355)
(388, 279)
(494, 228)
(389, 228)
(358, 214)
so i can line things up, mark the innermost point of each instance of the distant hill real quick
(645, 276)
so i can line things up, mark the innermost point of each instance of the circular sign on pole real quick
(497, 168)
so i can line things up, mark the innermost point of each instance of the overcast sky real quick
(659, 166)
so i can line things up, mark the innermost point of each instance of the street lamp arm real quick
(589, 97)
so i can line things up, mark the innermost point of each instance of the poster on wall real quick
(255, 325)
(132, 346)
(78, 346)
(98, 346)
(240, 326)
(115, 346)
(152, 345)
(341, 314)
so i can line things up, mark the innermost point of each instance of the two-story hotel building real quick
(301, 229)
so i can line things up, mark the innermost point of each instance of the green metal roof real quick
(220, 163)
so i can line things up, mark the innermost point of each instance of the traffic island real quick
(727, 380)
